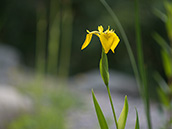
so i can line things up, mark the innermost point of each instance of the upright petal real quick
(107, 31)
(100, 29)
(87, 41)
(115, 42)
(106, 41)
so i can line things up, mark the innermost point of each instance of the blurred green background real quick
(19, 20)
(49, 34)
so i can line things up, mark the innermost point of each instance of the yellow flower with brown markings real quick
(108, 39)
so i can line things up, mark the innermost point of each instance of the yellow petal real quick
(87, 41)
(100, 29)
(115, 42)
(106, 41)
(94, 32)
(107, 31)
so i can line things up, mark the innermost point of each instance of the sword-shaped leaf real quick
(123, 116)
(100, 116)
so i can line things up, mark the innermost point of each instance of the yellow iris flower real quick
(108, 39)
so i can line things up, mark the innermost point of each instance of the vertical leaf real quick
(40, 40)
(66, 43)
(163, 97)
(161, 41)
(160, 15)
(168, 7)
(167, 63)
(162, 83)
(142, 70)
(125, 39)
(100, 116)
(137, 126)
(54, 37)
(123, 116)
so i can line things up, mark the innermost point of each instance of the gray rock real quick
(86, 118)
(12, 104)
(118, 82)
(9, 60)
(120, 85)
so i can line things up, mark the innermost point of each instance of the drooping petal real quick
(94, 32)
(100, 29)
(87, 41)
(115, 42)
(106, 41)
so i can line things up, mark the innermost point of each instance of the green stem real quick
(133, 62)
(141, 64)
(54, 37)
(124, 36)
(66, 43)
(113, 110)
(40, 40)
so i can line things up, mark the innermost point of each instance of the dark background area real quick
(18, 29)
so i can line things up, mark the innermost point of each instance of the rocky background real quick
(13, 103)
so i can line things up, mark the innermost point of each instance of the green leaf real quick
(167, 63)
(104, 68)
(166, 53)
(163, 90)
(168, 7)
(160, 15)
(123, 116)
(161, 82)
(137, 126)
(100, 116)
(160, 40)
(163, 97)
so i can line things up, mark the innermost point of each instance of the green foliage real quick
(46, 118)
(137, 126)
(123, 116)
(142, 71)
(166, 52)
(100, 116)
(168, 7)
(163, 97)
(104, 68)
(50, 107)
(165, 86)
(167, 63)
(163, 44)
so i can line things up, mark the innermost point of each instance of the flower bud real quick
(104, 68)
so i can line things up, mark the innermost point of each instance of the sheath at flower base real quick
(108, 39)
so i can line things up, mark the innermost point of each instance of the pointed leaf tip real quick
(137, 126)
(123, 116)
(100, 116)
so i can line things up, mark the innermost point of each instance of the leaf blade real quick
(100, 116)
(123, 116)
(137, 125)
